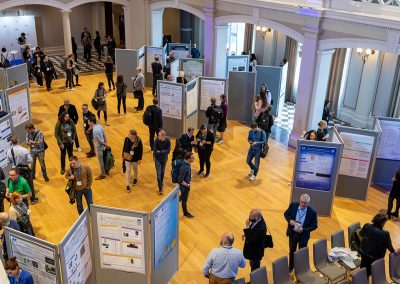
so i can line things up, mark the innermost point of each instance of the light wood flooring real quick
(220, 203)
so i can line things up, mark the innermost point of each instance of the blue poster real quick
(315, 167)
(165, 229)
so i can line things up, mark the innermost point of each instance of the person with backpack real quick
(4, 58)
(132, 153)
(222, 123)
(265, 121)
(184, 181)
(256, 139)
(35, 141)
(156, 68)
(214, 114)
(205, 144)
(152, 118)
(161, 149)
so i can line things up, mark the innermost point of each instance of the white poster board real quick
(356, 155)
(238, 63)
(210, 88)
(5, 143)
(282, 92)
(192, 97)
(141, 58)
(180, 50)
(175, 69)
(121, 242)
(171, 100)
(151, 53)
(192, 69)
(389, 144)
(19, 106)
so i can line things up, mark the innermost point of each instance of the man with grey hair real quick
(6, 222)
(222, 263)
(302, 220)
(138, 87)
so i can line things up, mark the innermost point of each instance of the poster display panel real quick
(171, 100)
(165, 51)
(18, 102)
(356, 156)
(389, 144)
(175, 69)
(192, 97)
(238, 63)
(192, 68)
(141, 59)
(210, 88)
(180, 50)
(315, 167)
(5, 141)
(151, 53)
(121, 242)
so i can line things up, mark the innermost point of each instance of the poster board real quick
(237, 63)
(165, 52)
(180, 50)
(18, 74)
(5, 141)
(126, 61)
(193, 68)
(211, 87)
(120, 241)
(175, 67)
(76, 254)
(192, 97)
(142, 58)
(38, 257)
(151, 53)
(165, 238)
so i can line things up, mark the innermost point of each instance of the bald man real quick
(138, 87)
(73, 114)
(254, 235)
(222, 263)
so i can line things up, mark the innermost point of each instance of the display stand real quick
(165, 238)
(388, 154)
(241, 90)
(192, 104)
(6, 129)
(18, 74)
(193, 68)
(180, 50)
(120, 242)
(142, 59)
(3, 79)
(175, 67)
(151, 52)
(315, 172)
(237, 63)
(38, 257)
(360, 146)
(126, 62)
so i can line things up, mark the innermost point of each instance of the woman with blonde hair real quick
(322, 132)
(181, 78)
(132, 155)
(20, 213)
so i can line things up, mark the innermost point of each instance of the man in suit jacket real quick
(254, 235)
(157, 121)
(302, 220)
(73, 115)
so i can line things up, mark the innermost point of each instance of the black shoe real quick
(128, 189)
(36, 200)
(396, 215)
(160, 191)
(46, 179)
(134, 182)
(200, 172)
(139, 109)
(78, 85)
(91, 155)
(88, 153)
(207, 175)
(62, 171)
(33, 177)
(188, 215)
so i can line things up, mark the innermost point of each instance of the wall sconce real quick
(364, 54)
(263, 30)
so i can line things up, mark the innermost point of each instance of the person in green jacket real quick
(16, 183)
(65, 133)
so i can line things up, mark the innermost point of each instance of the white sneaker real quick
(251, 173)
(72, 89)
(79, 149)
(253, 177)
(220, 142)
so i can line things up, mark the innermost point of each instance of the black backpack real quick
(148, 117)
(216, 113)
(263, 120)
(6, 62)
(3, 189)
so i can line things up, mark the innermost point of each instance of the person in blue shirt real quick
(15, 274)
(257, 138)
(222, 263)
(195, 51)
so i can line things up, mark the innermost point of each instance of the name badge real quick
(131, 152)
(48, 69)
(69, 134)
(79, 183)
(84, 125)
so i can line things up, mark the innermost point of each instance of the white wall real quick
(271, 49)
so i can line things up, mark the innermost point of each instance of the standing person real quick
(222, 263)
(97, 45)
(253, 63)
(37, 71)
(3, 189)
(161, 149)
(74, 49)
(19, 212)
(6, 222)
(69, 73)
(111, 45)
(22, 39)
(302, 220)
(214, 115)
(266, 93)
(254, 235)
(186, 141)
(257, 139)
(100, 95)
(38, 53)
(100, 140)
(195, 51)
(48, 70)
(87, 47)
(138, 87)
(181, 78)
(223, 122)
(121, 93)
(132, 153)
(109, 70)
(327, 113)
(75, 70)
(65, 132)
(156, 68)
(73, 114)
(5, 58)
(184, 181)
(374, 242)
(87, 33)
(19, 184)
(394, 194)
(265, 121)
(86, 114)
(27, 59)
(156, 120)
(260, 105)
(35, 140)
(15, 274)
(82, 177)
(322, 131)
(167, 66)
(205, 143)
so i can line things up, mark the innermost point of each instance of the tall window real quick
(235, 40)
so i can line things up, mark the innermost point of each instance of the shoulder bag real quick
(45, 146)
(268, 241)
(127, 155)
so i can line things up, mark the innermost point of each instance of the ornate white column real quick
(66, 31)
(209, 51)
(221, 35)
(128, 27)
(157, 27)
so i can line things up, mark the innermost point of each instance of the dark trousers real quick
(87, 53)
(154, 85)
(105, 115)
(390, 206)
(366, 262)
(254, 154)
(28, 175)
(1, 205)
(39, 80)
(38, 156)
(68, 148)
(153, 133)
(76, 141)
(160, 169)
(89, 137)
(139, 95)
(87, 192)
(49, 79)
(75, 56)
(255, 264)
(68, 81)
(204, 157)
(110, 80)
(76, 79)
(184, 198)
(98, 49)
(123, 100)
(294, 243)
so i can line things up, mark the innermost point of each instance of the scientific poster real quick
(175, 69)
(19, 106)
(315, 167)
(209, 89)
(171, 100)
(76, 253)
(165, 230)
(141, 59)
(121, 242)
(192, 97)
(5, 143)
(192, 68)
(151, 53)
(180, 51)
(389, 144)
(237, 63)
(356, 155)
(39, 260)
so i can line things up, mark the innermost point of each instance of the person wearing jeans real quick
(257, 139)
(83, 178)
(161, 149)
(184, 180)
(65, 132)
(100, 140)
(138, 87)
(132, 155)
(86, 113)
(35, 141)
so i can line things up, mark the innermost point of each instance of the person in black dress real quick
(322, 132)
(205, 142)
(222, 123)
(394, 194)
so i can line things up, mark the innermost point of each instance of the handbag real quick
(127, 155)
(268, 241)
(264, 150)
(95, 104)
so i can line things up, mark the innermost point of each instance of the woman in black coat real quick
(132, 156)
(205, 142)
(394, 194)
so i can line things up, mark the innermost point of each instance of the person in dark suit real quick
(302, 220)
(156, 68)
(394, 194)
(254, 235)
(157, 121)
(73, 115)
(205, 144)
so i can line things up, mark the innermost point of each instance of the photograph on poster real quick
(165, 230)
(37, 259)
(315, 167)
(192, 97)
(171, 100)
(356, 155)
(19, 106)
(180, 51)
(210, 88)
(151, 53)
(238, 63)
(121, 242)
(192, 69)
(5, 142)
(389, 144)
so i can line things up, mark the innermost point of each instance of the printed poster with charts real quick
(171, 100)
(356, 155)
(389, 144)
(19, 106)
(5, 143)
(192, 91)
(209, 89)
(121, 242)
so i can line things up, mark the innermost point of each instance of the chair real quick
(321, 263)
(337, 240)
(259, 276)
(280, 271)
(239, 281)
(394, 267)
(350, 230)
(360, 277)
(302, 268)
(378, 274)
